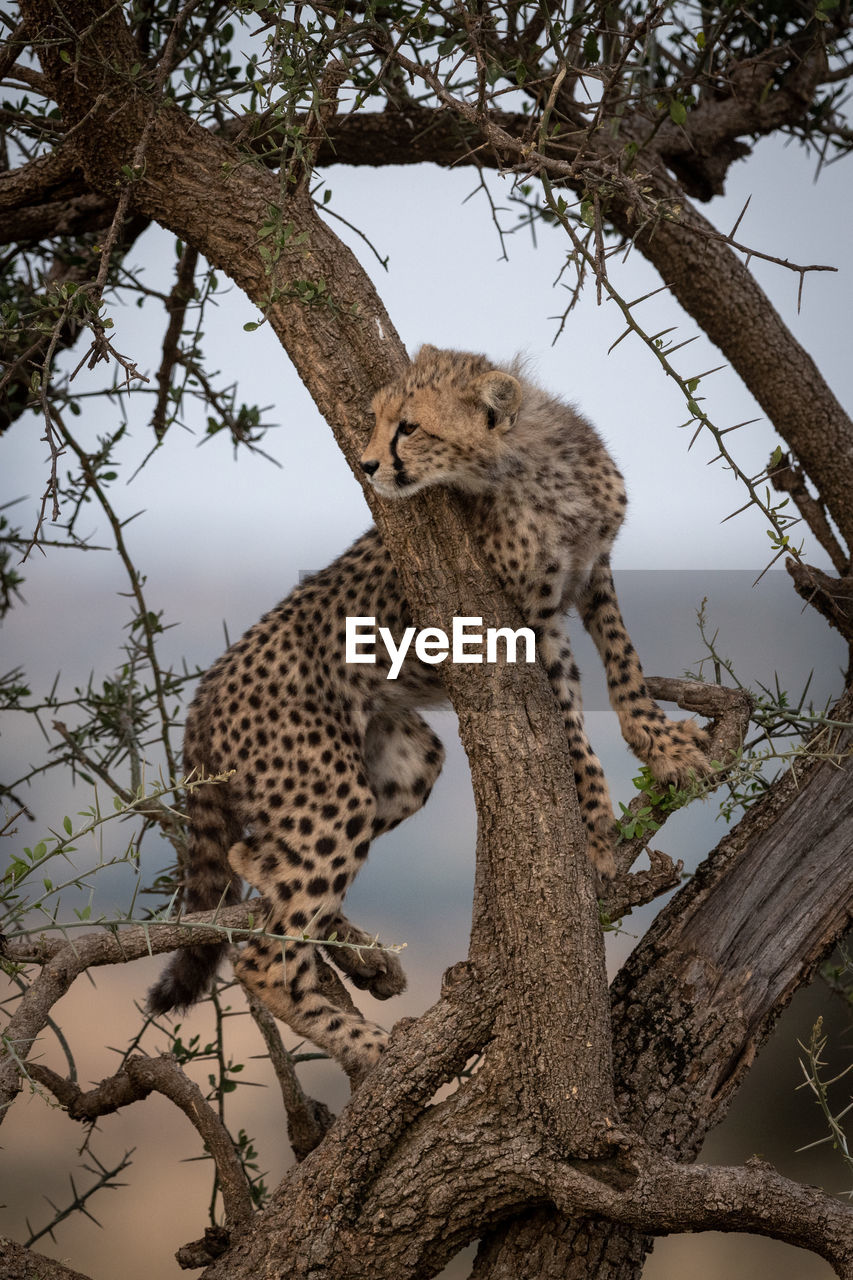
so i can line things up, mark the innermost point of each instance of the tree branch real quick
(19, 1263)
(63, 960)
(700, 993)
(832, 597)
(789, 478)
(139, 1078)
(668, 1198)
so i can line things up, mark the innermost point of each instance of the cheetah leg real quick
(593, 795)
(286, 978)
(309, 827)
(674, 750)
(403, 758)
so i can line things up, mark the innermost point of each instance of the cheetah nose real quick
(371, 466)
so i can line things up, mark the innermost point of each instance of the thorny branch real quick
(176, 308)
(787, 476)
(141, 1076)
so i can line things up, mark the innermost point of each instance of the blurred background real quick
(219, 540)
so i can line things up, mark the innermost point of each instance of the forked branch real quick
(140, 1077)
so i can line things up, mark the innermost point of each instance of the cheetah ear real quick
(500, 393)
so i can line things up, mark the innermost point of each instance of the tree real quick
(132, 116)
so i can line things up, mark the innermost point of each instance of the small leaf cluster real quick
(661, 799)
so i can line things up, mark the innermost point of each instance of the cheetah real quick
(327, 755)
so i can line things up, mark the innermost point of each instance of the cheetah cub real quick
(327, 755)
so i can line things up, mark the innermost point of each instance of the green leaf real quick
(677, 112)
(700, 39)
(590, 47)
(66, 822)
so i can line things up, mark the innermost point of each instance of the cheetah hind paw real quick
(370, 969)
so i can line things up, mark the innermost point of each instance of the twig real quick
(104, 1177)
(136, 581)
(787, 477)
(307, 1119)
(176, 308)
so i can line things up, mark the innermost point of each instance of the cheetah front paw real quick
(680, 754)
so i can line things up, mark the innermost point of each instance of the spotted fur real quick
(328, 755)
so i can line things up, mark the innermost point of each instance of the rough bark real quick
(18, 1263)
(699, 995)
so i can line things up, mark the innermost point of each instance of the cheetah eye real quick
(406, 428)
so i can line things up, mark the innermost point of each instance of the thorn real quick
(736, 513)
(781, 552)
(686, 343)
(739, 217)
(660, 289)
(619, 339)
(746, 423)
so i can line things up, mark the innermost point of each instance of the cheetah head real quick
(445, 421)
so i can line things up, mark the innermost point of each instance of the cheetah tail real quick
(185, 979)
(208, 883)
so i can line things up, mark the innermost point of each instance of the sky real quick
(221, 540)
